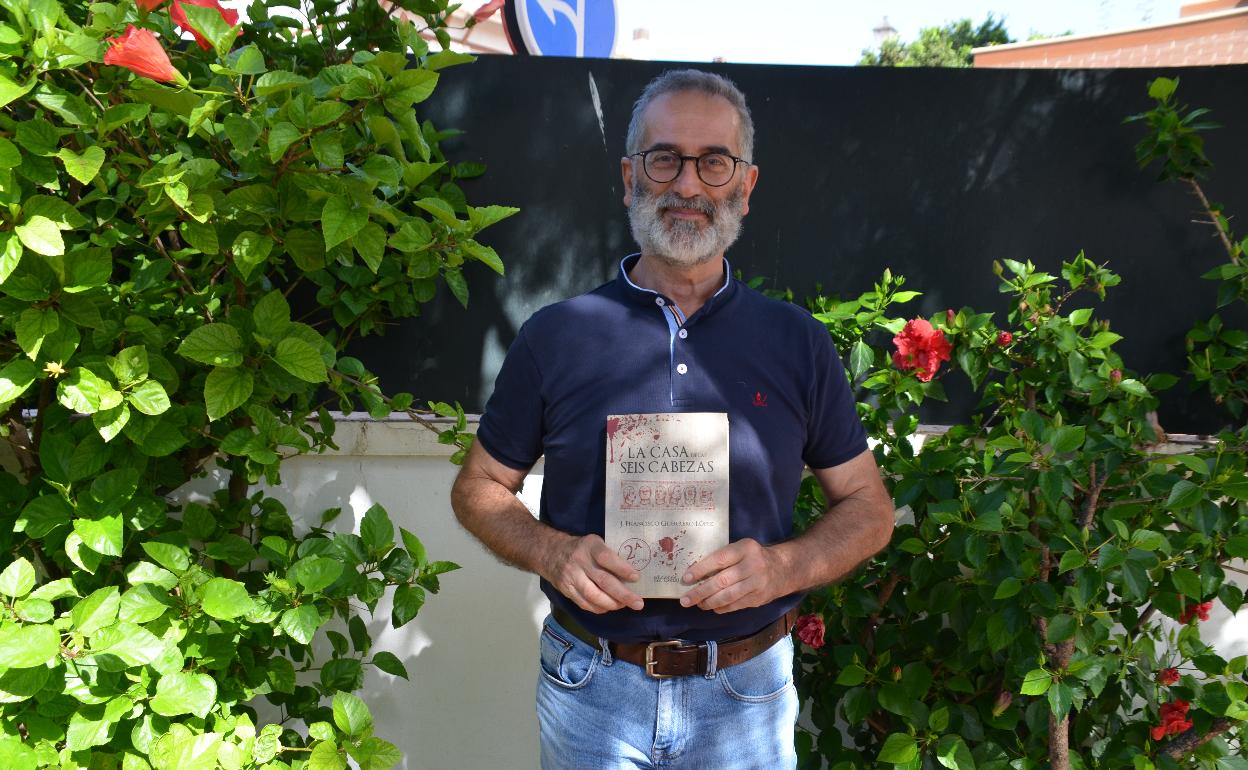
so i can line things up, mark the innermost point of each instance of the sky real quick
(836, 31)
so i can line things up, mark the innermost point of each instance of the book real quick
(666, 494)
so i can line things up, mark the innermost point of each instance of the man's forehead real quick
(691, 118)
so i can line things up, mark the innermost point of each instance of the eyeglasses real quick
(714, 168)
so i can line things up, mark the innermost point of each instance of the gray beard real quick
(684, 244)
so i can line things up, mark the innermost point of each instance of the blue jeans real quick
(596, 713)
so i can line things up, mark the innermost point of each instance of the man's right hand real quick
(589, 573)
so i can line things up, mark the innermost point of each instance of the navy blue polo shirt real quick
(622, 349)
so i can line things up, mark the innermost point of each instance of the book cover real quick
(666, 494)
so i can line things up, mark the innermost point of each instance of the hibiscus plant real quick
(1041, 601)
(201, 209)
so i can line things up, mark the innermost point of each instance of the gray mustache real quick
(671, 201)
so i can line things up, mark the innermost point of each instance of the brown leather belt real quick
(664, 659)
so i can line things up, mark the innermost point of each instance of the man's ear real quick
(626, 171)
(751, 179)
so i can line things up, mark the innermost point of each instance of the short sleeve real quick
(834, 434)
(511, 427)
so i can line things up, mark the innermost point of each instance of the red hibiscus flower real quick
(1173, 719)
(1195, 610)
(1004, 338)
(810, 630)
(921, 349)
(150, 5)
(1168, 676)
(178, 14)
(487, 10)
(139, 51)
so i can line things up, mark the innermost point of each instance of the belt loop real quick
(605, 646)
(712, 659)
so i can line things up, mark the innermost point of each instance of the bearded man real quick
(706, 680)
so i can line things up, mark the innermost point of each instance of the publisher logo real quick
(760, 398)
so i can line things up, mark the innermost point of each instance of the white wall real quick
(471, 652)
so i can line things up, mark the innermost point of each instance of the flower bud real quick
(1004, 338)
(1003, 701)
(896, 673)
(950, 317)
(1115, 376)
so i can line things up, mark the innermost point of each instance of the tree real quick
(947, 46)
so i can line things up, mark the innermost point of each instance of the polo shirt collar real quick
(646, 296)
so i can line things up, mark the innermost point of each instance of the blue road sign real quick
(567, 27)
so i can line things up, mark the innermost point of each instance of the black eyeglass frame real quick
(697, 168)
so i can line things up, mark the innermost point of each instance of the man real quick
(705, 681)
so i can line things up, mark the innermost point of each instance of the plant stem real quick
(1213, 219)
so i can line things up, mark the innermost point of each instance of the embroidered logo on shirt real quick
(760, 398)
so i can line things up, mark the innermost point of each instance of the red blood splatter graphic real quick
(613, 425)
(667, 545)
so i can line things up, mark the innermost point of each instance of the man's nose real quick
(687, 184)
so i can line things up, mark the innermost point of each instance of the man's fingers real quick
(715, 584)
(612, 562)
(718, 560)
(593, 598)
(611, 586)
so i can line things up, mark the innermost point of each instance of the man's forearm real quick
(837, 543)
(496, 517)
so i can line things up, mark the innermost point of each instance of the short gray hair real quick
(675, 81)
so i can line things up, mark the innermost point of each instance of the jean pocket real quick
(764, 677)
(565, 663)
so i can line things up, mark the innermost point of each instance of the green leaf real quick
(10, 156)
(15, 378)
(376, 528)
(390, 663)
(57, 589)
(1134, 387)
(10, 90)
(458, 286)
(1162, 88)
(111, 422)
(1188, 583)
(174, 558)
(341, 220)
(82, 167)
(1060, 698)
(370, 244)
(325, 756)
(300, 359)
(1068, 438)
(1036, 682)
(486, 255)
(1104, 339)
(327, 149)
(97, 610)
(1061, 628)
(28, 646)
(415, 548)
(211, 24)
(33, 326)
(953, 753)
(150, 398)
(1184, 494)
(225, 390)
(184, 693)
(407, 602)
(250, 250)
(1071, 560)
(861, 356)
(898, 748)
(15, 755)
(242, 131)
(130, 643)
(272, 314)
(217, 344)
(315, 573)
(42, 236)
(301, 622)
(184, 750)
(104, 535)
(1009, 587)
(440, 209)
(281, 136)
(10, 255)
(17, 579)
(225, 599)
(351, 714)
(851, 675)
(275, 82)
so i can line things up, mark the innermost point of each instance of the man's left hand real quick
(739, 575)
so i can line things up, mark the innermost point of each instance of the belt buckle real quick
(651, 662)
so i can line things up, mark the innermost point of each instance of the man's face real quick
(686, 222)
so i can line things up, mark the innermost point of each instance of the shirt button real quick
(659, 301)
(681, 368)
(682, 333)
